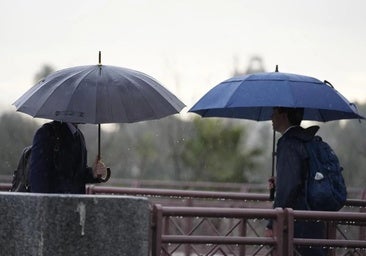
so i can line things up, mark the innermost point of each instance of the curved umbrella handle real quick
(107, 177)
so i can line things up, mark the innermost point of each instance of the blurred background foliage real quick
(191, 148)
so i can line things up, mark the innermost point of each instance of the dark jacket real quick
(291, 167)
(59, 167)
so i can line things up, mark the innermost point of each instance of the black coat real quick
(59, 166)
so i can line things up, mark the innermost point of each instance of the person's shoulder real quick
(301, 134)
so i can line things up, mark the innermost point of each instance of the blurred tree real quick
(216, 153)
(350, 145)
(144, 150)
(198, 149)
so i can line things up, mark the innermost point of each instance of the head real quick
(283, 118)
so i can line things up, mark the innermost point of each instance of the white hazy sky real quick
(187, 45)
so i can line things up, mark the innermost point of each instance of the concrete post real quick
(54, 224)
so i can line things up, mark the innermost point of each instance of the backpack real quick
(20, 181)
(325, 189)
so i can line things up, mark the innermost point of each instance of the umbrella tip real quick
(328, 83)
(100, 58)
(276, 68)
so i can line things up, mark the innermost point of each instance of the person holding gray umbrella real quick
(291, 170)
(58, 161)
(91, 94)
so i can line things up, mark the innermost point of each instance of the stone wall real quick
(51, 224)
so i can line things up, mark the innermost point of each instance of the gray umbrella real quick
(98, 94)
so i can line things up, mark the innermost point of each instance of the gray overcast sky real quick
(188, 45)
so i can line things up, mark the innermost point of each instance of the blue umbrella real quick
(254, 96)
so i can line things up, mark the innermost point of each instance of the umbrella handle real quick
(107, 177)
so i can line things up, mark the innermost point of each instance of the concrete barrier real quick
(53, 224)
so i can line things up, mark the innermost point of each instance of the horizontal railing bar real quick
(330, 242)
(218, 212)
(182, 193)
(199, 194)
(175, 239)
(175, 193)
(329, 215)
(356, 202)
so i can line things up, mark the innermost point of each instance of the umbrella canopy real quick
(254, 96)
(98, 94)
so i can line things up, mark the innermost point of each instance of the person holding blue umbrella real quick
(286, 99)
(253, 97)
(291, 170)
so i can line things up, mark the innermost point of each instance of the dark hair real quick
(294, 115)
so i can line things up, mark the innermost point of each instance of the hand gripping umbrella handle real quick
(107, 177)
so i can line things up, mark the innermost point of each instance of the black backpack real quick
(325, 188)
(20, 181)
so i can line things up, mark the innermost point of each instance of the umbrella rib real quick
(155, 83)
(164, 92)
(63, 81)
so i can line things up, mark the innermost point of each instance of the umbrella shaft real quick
(99, 128)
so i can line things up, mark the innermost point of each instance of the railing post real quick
(90, 189)
(279, 232)
(331, 233)
(157, 223)
(362, 234)
(188, 228)
(243, 233)
(289, 233)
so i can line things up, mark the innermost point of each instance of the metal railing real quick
(186, 240)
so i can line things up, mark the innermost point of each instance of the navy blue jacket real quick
(291, 167)
(59, 167)
(291, 171)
